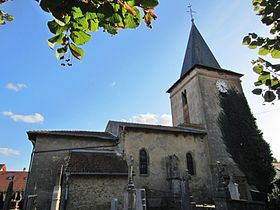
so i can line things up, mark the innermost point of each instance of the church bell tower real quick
(195, 95)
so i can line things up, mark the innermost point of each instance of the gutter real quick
(75, 148)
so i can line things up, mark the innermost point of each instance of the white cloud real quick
(35, 118)
(113, 84)
(15, 87)
(149, 118)
(7, 151)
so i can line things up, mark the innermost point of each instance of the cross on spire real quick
(191, 12)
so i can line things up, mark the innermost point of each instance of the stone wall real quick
(46, 165)
(204, 108)
(161, 145)
(95, 192)
(194, 101)
(212, 109)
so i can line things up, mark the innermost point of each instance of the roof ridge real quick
(159, 125)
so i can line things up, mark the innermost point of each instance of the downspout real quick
(66, 195)
(57, 191)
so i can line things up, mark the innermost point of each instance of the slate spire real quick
(198, 52)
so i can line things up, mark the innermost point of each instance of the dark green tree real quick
(245, 141)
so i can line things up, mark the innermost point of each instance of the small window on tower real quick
(10, 178)
(185, 107)
(184, 97)
(190, 165)
(143, 162)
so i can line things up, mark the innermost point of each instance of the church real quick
(88, 169)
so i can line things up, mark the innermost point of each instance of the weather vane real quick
(191, 12)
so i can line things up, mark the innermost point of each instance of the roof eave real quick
(32, 136)
(160, 128)
(205, 67)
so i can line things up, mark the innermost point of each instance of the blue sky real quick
(122, 77)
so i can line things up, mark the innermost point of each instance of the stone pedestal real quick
(130, 199)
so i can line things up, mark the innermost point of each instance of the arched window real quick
(186, 114)
(143, 162)
(190, 165)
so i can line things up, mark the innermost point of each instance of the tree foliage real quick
(74, 20)
(245, 142)
(268, 83)
(4, 16)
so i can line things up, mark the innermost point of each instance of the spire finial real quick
(191, 12)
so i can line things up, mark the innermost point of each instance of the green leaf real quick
(263, 51)
(76, 12)
(275, 84)
(273, 30)
(246, 40)
(67, 18)
(91, 15)
(79, 37)
(131, 3)
(76, 51)
(147, 4)
(254, 35)
(59, 22)
(265, 76)
(269, 96)
(55, 28)
(80, 23)
(256, 8)
(276, 67)
(260, 41)
(2, 22)
(257, 1)
(60, 51)
(275, 52)
(56, 39)
(268, 82)
(258, 83)
(9, 17)
(258, 69)
(267, 20)
(257, 91)
(132, 21)
(110, 29)
(253, 45)
(93, 25)
(115, 18)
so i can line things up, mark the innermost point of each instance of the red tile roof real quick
(3, 167)
(19, 178)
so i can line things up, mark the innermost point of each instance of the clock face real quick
(222, 86)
